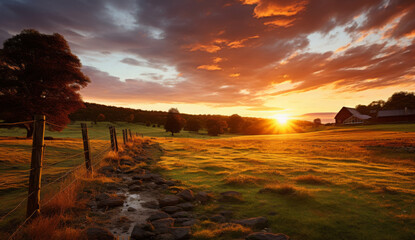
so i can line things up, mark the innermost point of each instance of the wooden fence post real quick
(112, 138)
(115, 138)
(86, 149)
(33, 207)
(131, 137)
(123, 135)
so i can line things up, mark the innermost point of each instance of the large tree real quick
(174, 121)
(39, 75)
(235, 123)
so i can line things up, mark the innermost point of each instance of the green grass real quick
(356, 192)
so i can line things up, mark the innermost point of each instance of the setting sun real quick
(281, 119)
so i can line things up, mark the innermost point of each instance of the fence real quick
(34, 205)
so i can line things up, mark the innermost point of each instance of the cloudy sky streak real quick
(253, 57)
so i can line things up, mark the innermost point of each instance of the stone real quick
(134, 188)
(158, 215)
(181, 220)
(172, 209)
(102, 196)
(170, 183)
(226, 213)
(153, 204)
(203, 197)
(162, 225)
(186, 206)
(267, 236)
(142, 232)
(186, 195)
(97, 233)
(165, 236)
(151, 185)
(218, 218)
(169, 200)
(131, 209)
(254, 223)
(110, 203)
(135, 182)
(231, 196)
(182, 214)
(180, 233)
(190, 222)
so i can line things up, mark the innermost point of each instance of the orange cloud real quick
(234, 75)
(239, 43)
(209, 67)
(210, 48)
(281, 22)
(269, 8)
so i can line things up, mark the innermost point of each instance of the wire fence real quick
(97, 157)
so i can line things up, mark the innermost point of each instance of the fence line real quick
(97, 155)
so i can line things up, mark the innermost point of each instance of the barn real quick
(350, 116)
(396, 116)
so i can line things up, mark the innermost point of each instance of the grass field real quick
(348, 183)
(335, 183)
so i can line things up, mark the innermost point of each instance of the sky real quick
(259, 58)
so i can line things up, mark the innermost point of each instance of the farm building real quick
(350, 116)
(401, 115)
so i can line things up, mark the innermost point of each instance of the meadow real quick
(346, 183)
(333, 183)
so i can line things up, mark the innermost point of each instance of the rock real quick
(254, 223)
(106, 169)
(203, 197)
(186, 206)
(126, 162)
(186, 195)
(102, 196)
(134, 188)
(165, 236)
(181, 220)
(142, 232)
(162, 225)
(169, 200)
(158, 215)
(131, 209)
(110, 203)
(190, 222)
(231, 196)
(147, 177)
(135, 182)
(151, 204)
(226, 213)
(181, 214)
(97, 233)
(170, 183)
(180, 233)
(218, 218)
(151, 185)
(172, 209)
(267, 236)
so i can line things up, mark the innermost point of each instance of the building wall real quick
(392, 119)
(342, 115)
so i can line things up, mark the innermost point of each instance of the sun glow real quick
(281, 119)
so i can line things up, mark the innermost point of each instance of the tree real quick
(213, 127)
(39, 75)
(235, 123)
(223, 126)
(100, 118)
(174, 121)
(317, 122)
(193, 125)
(400, 100)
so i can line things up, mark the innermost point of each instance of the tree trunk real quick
(172, 134)
(29, 130)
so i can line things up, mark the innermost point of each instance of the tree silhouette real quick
(213, 127)
(100, 118)
(400, 100)
(174, 121)
(235, 123)
(193, 125)
(39, 75)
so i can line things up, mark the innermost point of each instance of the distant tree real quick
(400, 100)
(174, 121)
(372, 109)
(223, 126)
(213, 127)
(148, 124)
(317, 122)
(39, 75)
(235, 123)
(100, 118)
(193, 125)
(130, 118)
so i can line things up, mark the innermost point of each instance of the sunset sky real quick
(257, 58)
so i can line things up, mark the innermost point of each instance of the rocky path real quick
(142, 205)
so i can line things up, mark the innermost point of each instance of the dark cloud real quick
(250, 37)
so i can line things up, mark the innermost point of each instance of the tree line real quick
(398, 100)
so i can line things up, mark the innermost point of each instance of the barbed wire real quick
(21, 225)
(15, 123)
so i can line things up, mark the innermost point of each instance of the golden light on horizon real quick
(281, 118)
